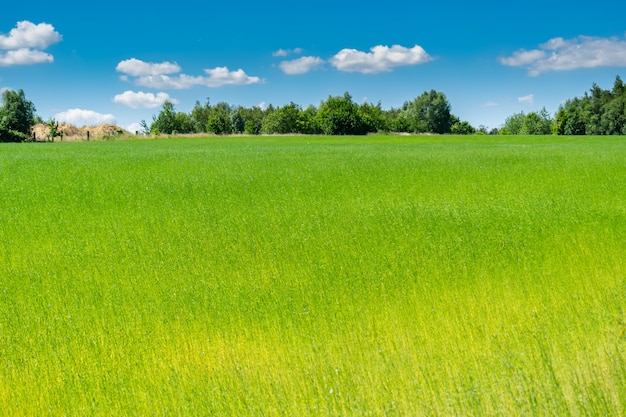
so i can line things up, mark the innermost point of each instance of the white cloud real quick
(301, 65)
(221, 76)
(141, 100)
(24, 44)
(134, 127)
(262, 105)
(217, 77)
(80, 117)
(24, 57)
(285, 52)
(138, 68)
(380, 59)
(156, 75)
(28, 35)
(490, 104)
(559, 54)
(530, 99)
(523, 57)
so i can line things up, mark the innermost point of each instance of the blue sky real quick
(118, 61)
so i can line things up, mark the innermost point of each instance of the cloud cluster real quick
(25, 43)
(80, 117)
(380, 58)
(560, 54)
(301, 65)
(141, 100)
(159, 75)
(137, 68)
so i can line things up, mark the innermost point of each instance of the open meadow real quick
(314, 276)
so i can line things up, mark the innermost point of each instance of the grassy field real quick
(314, 276)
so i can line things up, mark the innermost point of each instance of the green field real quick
(314, 276)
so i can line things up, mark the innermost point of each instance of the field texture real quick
(314, 276)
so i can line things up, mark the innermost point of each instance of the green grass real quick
(321, 276)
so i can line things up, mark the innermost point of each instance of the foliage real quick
(237, 121)
(429, 112)
(533, 123)
(462, 128)
(53, 130)
(219, 119)
(282, 120)
(17, 116)
(340, 116)
(513, 124)
(374, 117)
(169, 121)
(598, 112)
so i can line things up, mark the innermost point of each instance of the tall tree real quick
(513, 124)
(340, 116)
(430, 112)
(17, 116)
(165, 121)
(282, 120)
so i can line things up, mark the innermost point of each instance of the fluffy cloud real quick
(24, 57)
(155, 75)
(379, 59)
(25, 43)
(560, 54)
(285, 52)
(141, 100)
(137, 68)
(529, 99)
(301, 65)
(80, 117)
(28, 35)
(134, 127)
(217, 77)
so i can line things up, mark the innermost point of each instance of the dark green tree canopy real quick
(598, 112)
(429, 112)
(340, 116)
(17, 116)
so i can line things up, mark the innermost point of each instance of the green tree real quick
(513, 124)
(17, 116)
(396, 120)
(252, 119)
(537, 123)
(219, 121)
(237, 121)
(307, 121)
(165, 121)
(430, 112)
(200, 116)
(462, 128)
(282, 120)
(340, 116)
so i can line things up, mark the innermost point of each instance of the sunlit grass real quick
(314, 276)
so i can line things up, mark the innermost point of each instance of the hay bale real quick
(103, 129)
(40, 130)
(68, 129)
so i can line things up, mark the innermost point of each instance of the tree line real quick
(337, 115)
(598, 112)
